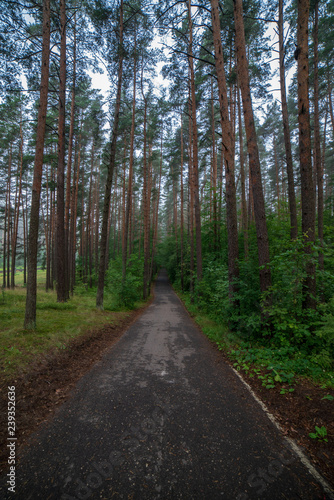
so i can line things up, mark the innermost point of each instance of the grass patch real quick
(57, 324)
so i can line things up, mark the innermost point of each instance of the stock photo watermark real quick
(264, 477)
(146, 433)
(11, 439)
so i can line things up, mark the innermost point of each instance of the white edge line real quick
(303, 458)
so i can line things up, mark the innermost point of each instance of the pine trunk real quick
(199, 265)
(30, 312)
(253, 152)
(106, 206)
(60, 234)
(286, 128)
(228, 144)
(317, 139)
(127, 225)
(307, 186)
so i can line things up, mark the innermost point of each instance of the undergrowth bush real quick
(127, 291)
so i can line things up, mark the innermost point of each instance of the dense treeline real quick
(210, 176)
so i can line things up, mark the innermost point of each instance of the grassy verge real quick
(57, 323)
(275, 366)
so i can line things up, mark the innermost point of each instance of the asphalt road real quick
(161, 416)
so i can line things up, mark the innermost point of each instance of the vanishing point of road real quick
(161, 416)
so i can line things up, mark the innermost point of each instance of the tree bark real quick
(30, 311)
(127, 225)
(69, 169)
(228, 144)
(199, 265)
(253, 152)
(242, 180)
(286, 129)
(182, 213)
(146, 202)
(111, 166)
(17, 209)
(317, 139)
(60, 234)
(307, 186)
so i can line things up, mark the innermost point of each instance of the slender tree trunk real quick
(191, 204)
(97, 221)
(60, 234)
(228, 144)
(286, 128)
(145, 200)
(52, 224)
(130, 180)
(317, 139)
(17, 208)
(199, 265)
(74, 210)
(277, 177)
(156, 212)
(214, 173)
(24, 245)
(30, 312)
(5, 240)
(242, 180)
(47, 237)
(330, 102)
(69, 168)
(106, 206)
(307, 186)
(88, 247)
(9, 214)
(253, 152)
(182, 212)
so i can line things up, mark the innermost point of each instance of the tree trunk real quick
(9, 214)
(214, 174)
(317, 139)
(253, 152)
(127, 224)
(106, 206)
(242, 181)
(228, 144)
(307, 186)
(199, 265)
(30, 312)
(286, 128)
(182, 212)
(69, 168)
(17, 209)
(60, 234)
(146, 209)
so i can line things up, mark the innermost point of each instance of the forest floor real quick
(48, 384)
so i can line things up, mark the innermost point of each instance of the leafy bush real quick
(127, 291)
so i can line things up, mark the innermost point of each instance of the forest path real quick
(161, 416)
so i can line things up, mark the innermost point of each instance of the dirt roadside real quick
(49, 381)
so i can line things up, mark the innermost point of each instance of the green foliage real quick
(127, 292)
(320, 434)
(328, 397)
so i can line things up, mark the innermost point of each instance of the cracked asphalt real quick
(161, 416)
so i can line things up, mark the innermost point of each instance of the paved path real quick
(161, 417)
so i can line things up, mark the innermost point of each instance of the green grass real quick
(57, 323)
